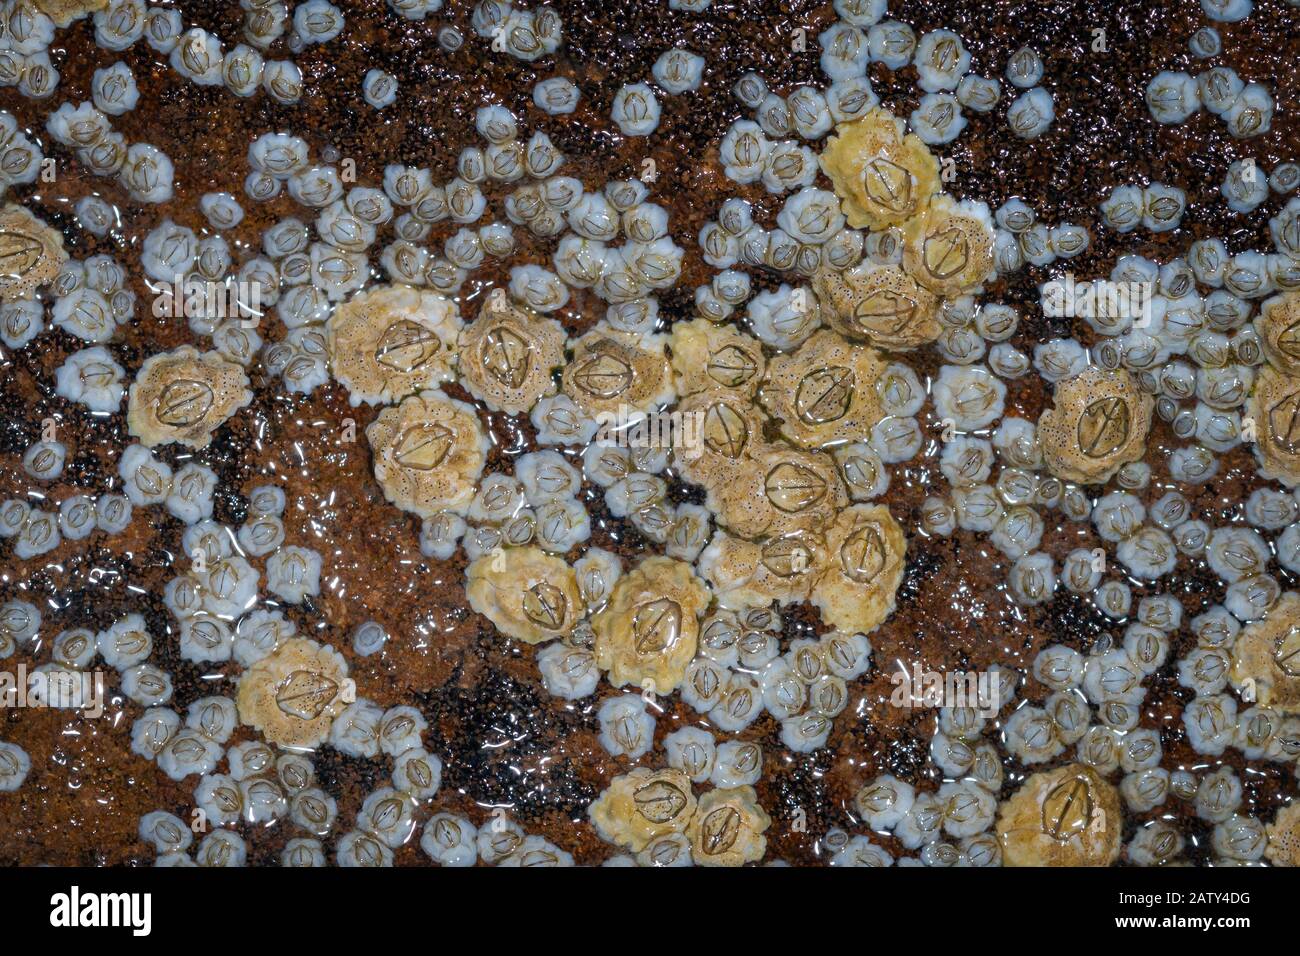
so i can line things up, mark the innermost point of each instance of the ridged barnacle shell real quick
(1284, 837)
(882, 176)
(948, 247)
(1266, 657)
(428, 453)
(708, 356)
(1274, 406)
(63, 12)
(293, 694)
(31, 253)
(779, 490)
(649, 630)
(728, 424)
(824, 393)
(642, 806)
(1278, 325)
(507, 355)
(614, 370)
(1069, 816)
(184, 396)
(752, 574)
(866, 551)
(727, 828)
(880, 304)
(1099, 423)
(392, 340)
(528, 594)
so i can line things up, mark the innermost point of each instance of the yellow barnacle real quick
(528, 594)
(507, 355)
(1274, 407)
(866, 550)
(709, 357)
(293, 694)
(1284, 837)
(31, 253)
(184, 396)
(948, 247)
(1064, 817)
(727, 828)
(615, 371)
(1266, 657)
(883, 177)
(879, 304)
(1100, 422)
(643, 805)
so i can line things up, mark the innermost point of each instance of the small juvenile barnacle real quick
(184, 396)
(883, 176)
(937, 119)
(948, 247)
(1172, 97)
(1099, 422)
(824, 392)
(635, 110)
(866, 550)
(727, 828)
(1031, 113)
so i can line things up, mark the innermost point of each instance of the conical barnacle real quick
(643, 805)
(824, 393)
(748, 574)
(528, 594)
(294, 693)
(778, 490)
(727, 425)
(1284, 837)
(1278, 325)
(64, 12)
(880, 304)
(708, 356)
(507, 355)
(882, 176)
(1274, 407)
(1099, 422)
(31, 253)
(428, 453)
(649, 630)
(613, 371)
(390, 341)
(1064, 817)
(866, 551)
(184, 396)
(727, 828)
(948, 247)
(1266, 657)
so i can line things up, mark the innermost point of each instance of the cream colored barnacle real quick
(31, 253)
(429, 453)
(1064, 817)
(293, 694)
(866, 551)
(184, 396)
(1278, 325)
(507, 356)
(649, 630)
(639, 807)
(727, 828)
(748, 574)
(948, 248)
(392, 340)
(727, 425)
(707, 356)
(1274, 406)
(882, 176)
(880, 304)
(64, 12)
(824, 393)
(528, 594)
(613, 371)
(1099, 423)
(1266, 657)
(1284, 837)
(778, 490)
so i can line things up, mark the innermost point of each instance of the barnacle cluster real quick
(651, 453)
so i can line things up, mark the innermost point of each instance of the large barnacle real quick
(184, 396)
(1278, 325)
(777, 490)
(752, 574)
(428, 453)
(724, 425)
(648, 632)
(948, 247)
(1099, 423)
(528, 594)
(390, 341)
(507, 355)
(883, 176)
(639, 807)
(708, 356)
(293, 694)
(1274, 407)
(1266, 657)
(1064, 817)
(825, 392)
(880, 304)
(727, 828)
(612, 371)
(1284, 837)
(31, 253)
(866, 553)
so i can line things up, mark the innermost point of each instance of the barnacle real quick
(648, 632)
(644, 805)
(1099, 421)
(613, 370)
(708, 357)
(507, 355)
(948, 246)
(749, 574)
(1064, 817)
(881, 304)
(1266, 657)
(727, 828)
(1274, 407)
(1284, 837)
(390, 341)
(293, 694)
(184, 396)
(776, 490)
(31, 253)
(824, 393)
(866, 551)
(528, 594)
(1278, 325)
(428, 453)
(883, 176)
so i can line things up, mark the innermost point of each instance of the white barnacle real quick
(1172, 97)
(1031, 113)
(379, 89)
(635, 110)
(678, 71)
